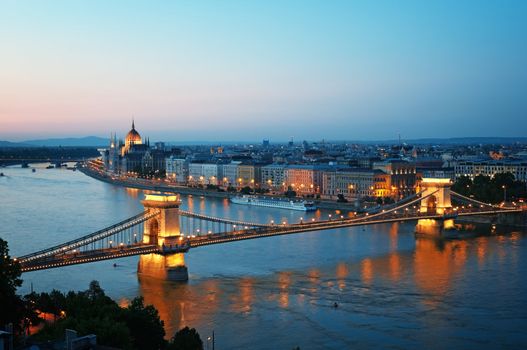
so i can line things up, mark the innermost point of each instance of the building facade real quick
(273, 177)
(491, 168)
(177, 169)
(355, 183)
(402, 176)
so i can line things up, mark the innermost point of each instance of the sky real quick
(247, 70)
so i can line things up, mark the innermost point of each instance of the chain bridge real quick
(163, 233)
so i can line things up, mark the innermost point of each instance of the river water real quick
(392, 290)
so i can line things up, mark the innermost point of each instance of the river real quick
(392, 290)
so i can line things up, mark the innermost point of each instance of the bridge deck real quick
(98, 255)
(63, 255)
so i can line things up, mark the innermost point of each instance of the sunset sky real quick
(247, 70)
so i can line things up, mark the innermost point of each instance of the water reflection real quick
(279, 292)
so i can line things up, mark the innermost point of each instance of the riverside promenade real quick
(162, 186)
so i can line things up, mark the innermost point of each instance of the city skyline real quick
(239, 71)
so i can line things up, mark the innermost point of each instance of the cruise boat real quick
(301, 205)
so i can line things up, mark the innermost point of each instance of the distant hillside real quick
(5, 144)
(472, 140)
(89, 141)
(446, 141)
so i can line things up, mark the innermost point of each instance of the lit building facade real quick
(305, 179)
(203, 174)
(177, 169)
(273, 176)
(230, 174)
(491, 168)
(355, 183)
(246, 175)
(402, 176)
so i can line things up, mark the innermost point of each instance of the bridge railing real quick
(93, 237)
(480, 203)
(221, 220)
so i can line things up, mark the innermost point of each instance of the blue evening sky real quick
(247, 70)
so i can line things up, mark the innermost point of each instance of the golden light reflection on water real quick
(395, 267)
(243, 301)
(132, 192)
(284, 281)
(342, 273)
(435, 267)
(394, 234)
(481, 243)
(366, 271)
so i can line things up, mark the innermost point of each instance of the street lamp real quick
(504, 193)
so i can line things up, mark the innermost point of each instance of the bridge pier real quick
(436, 201)
(170, 267)
(433, 227)
(163, 230)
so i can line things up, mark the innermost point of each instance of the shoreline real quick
(321, 204)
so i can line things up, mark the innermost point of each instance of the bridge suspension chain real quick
(92, 237)
(221, 220)
(475, 201)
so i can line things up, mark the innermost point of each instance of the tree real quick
(491, 190)
(186, 339)
(92, 312)
(462, 185)
(290, 193)
(13, 307)
(341, 198)
(145, 325)
(246, 190)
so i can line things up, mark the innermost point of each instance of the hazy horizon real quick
(235, 70)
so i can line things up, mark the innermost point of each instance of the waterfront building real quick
(230, 173)
(402, 176)
(177, 169)
(203, 174)
(355, 183)
(469, 168)
(273, 176)
(134, 156)
(305, 179)
(132, 139)
(246, 175)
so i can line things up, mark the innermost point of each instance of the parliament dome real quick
(133, 137)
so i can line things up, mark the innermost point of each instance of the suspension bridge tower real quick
(163, 231)
(436, 201)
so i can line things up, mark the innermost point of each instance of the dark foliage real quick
(186, 339)
(491, 190)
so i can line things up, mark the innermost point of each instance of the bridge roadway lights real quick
(163, 230)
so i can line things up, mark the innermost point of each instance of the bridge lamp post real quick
(135, 237)
(301, 220)
(329, 217)
(313, 220)
(111, 243)
(272, 222)
(504, 193)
